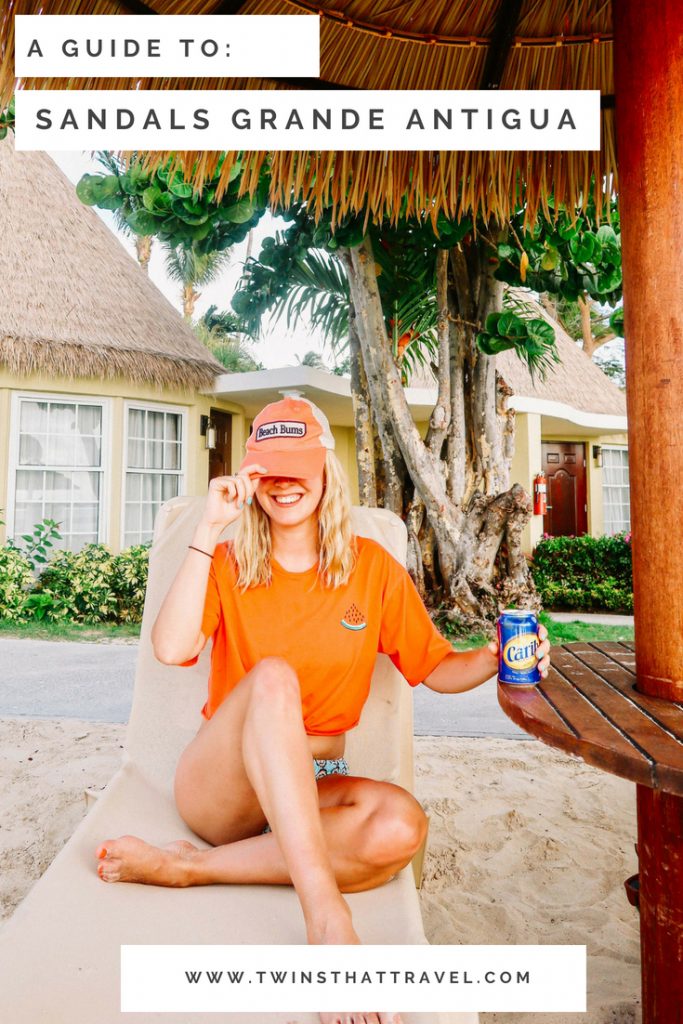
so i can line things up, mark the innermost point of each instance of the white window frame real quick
(178, 410)
(105, 468)
(614, 448)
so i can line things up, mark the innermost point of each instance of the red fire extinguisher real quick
(540, 494)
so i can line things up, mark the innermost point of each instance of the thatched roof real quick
(74, 303)
(575, 381)
(415, 44)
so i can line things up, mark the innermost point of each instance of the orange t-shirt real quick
(330, 637)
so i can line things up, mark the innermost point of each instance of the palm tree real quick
(225, 337)
(193, 269)
(313, 359)
(142, 243)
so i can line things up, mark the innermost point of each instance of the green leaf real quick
(550, 259)
(108, 186)
(182, 189)
(569, 231)
(142, 222)
(505, 251)
(111, 202)
(540, 331)
(86, 189)
(511, 326)
(150, 197)
(198, 231)
(188, 212)
(491, 345)
(239, 212)
(607, 234)
(609, 280)
(586, 248)
(492, 322)
(134, 181)
(616, 321)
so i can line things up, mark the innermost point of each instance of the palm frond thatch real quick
(419, 44)
(75, 304)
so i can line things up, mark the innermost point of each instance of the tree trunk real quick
(464, 521)
(143, 250)
(366, 326)
(190, 297)
(362, 417)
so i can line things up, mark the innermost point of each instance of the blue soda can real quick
(518, 640)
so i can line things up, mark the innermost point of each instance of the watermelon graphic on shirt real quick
(353, 618)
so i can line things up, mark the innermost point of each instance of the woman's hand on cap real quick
(229, 494)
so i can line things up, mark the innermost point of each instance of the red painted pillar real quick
(648, 53)
(660, 872)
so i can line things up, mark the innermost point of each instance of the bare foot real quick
(129, 859)
(337, 928)
(360, 1018)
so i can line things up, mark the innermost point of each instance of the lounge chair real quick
(59, 953)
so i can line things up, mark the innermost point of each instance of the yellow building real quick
(572, 427)
(109, 405)
(101, 380)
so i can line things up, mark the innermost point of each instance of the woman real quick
(297, 608)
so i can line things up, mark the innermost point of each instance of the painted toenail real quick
(102, 853)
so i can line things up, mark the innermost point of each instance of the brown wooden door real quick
(220, 457)
(564, 464)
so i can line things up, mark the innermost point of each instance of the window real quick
(154, 467)
(59, 471)
(615, 490)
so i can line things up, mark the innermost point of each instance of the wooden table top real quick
(589, 706)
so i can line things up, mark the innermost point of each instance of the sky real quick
(279, 347)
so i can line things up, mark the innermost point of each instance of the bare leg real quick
(253, 757)
(277, 760)
(252, 761)
(371, 830)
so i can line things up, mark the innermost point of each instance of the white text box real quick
(410, 978)
(181, 46)
(307, 119)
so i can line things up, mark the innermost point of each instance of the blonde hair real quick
(336, 550)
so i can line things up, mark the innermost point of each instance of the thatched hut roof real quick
(575, 381)
(74, 303)
(415, 44)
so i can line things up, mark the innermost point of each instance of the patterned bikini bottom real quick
(330, 766)
(323, 767)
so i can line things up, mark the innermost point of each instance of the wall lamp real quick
(208, 431)
(597, 455)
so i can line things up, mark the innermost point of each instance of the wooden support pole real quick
(648, 53)
(660, 863)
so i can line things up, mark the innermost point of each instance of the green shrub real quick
(16, 579)
(80, 584)
(585, 573)
(130, 582)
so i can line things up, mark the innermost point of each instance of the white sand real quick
(526, 845)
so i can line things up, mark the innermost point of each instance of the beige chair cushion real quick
(59, 953)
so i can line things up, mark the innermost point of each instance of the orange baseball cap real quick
(289, 438)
